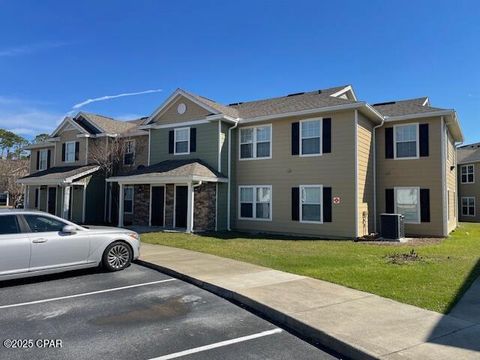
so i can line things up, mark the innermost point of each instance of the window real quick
(70, 151)
(407, 203)
(406, 141)
(129, 155)
(128, 200)
(43, 159)
(468, 206)
(9, 225)
(310, 135)
(182, 141)
(40, 223)
(255, 142)
(468, 174)
(311, 203)
(255, 202)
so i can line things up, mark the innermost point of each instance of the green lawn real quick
(435, 282)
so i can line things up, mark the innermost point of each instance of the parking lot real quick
(137, 313)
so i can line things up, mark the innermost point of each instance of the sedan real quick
(36, 243)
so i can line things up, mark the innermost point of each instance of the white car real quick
(36, 243)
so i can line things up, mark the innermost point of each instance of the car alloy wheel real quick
(118, 256)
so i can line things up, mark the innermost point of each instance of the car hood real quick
(107, 229)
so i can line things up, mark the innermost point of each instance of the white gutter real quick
(133, 180)
(375, 175)
(229, 175)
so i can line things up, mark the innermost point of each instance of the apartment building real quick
(319, 163)
(468, 182)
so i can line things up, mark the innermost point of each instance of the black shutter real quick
(36, 198)
(327, 135)
(171, 141)
(327, 204)
(295, 203)
(425, 205)
(38, 160)
(389, 143)
(63, 152)
(49, 158)
(295, 138)
(423, 139)
(77, 150)
(193, 139)
(389, 201)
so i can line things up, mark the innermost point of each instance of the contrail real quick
(109, 97)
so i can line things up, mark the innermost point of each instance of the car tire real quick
(117, 256)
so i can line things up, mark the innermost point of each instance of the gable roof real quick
(468, 153)
(405, 107)
(69, 121)
(59, 175)
(106, 124)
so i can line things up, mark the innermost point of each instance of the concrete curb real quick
(313, 335)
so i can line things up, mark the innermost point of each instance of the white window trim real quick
(43, 151)
(125, 153)
(300, 148)
(254, 143)
(254, 202)
(301, 187)
(395, 142)
(474, 205)
(419, 210)
(473, 173)
(124, 198)
(175, 141)
(66, 151)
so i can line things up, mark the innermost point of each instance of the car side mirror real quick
(69, 229)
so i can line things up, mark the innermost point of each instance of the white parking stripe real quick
(217, 345)
(84, 294)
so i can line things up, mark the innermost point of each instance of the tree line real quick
(11, 144)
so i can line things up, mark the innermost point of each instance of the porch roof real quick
(172, 171)
(61, 175)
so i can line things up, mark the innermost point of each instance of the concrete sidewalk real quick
(357, 324)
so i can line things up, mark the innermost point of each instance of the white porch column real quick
(120, 206)
(66, 201)
(190, 208)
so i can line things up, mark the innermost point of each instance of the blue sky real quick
(55, 54)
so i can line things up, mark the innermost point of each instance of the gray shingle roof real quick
(60, 172)
(178, 168)
(468, 153)
(110, 125)
(404, 107)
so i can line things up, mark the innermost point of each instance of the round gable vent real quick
(181, 108)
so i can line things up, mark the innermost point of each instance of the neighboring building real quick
(469, 182)
(67, 175)
(318, 163)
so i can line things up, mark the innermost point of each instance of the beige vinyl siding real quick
(207, 145)
(70, 135)
(424, 172)
(365, 175)
(171, 116)
(31, 196)
(34, 155)
(284, 171)
(43, 198)
(451, 178)
(470, 190)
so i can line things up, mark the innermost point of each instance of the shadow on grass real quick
(472, 276)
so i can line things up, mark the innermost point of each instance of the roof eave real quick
(157, 178)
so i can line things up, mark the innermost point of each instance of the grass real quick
(440, 273)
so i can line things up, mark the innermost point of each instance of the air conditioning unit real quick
(392, 226)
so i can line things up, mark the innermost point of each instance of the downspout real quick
(375, 173)
(229, 173)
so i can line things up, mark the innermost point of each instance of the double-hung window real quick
(468, 206)
(256, 142)
(311, 203)
(70, 151)
(407, 203)
(406, 141)
(128, 200)
(129, 155)
(42, 159)
(256, 202)
(182, 141)
(468, 174)
(310, 137)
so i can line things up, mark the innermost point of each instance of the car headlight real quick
(134, 235)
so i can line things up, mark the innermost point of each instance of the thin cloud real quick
(29, 49)
(109, 97)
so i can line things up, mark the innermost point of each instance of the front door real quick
(181, 204)
(52, 200)
(157, 205)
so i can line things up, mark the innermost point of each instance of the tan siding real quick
(284, 171)
(469, 190)
(70, 135)
(365, 176)
(451, 178)
(34, 155)
(425, 172)
(171, 116)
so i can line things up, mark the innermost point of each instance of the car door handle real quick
(39, 241)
